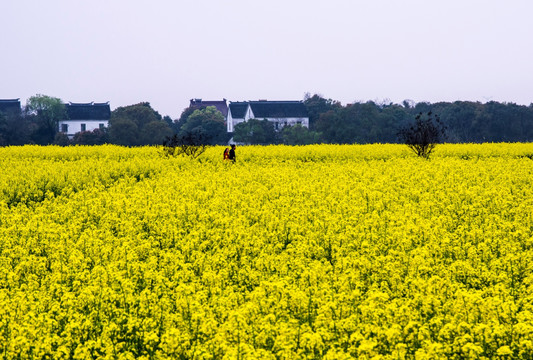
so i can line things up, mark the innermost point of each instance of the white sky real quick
(169, 51)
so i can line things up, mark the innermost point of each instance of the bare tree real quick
(424, 134)
(192, 144)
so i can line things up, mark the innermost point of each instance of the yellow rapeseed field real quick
(315, 252)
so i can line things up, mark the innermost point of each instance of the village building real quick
(238, 112)
(10, 106)
(85, 117)
(281, 113)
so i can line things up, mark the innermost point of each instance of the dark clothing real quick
(232, 155)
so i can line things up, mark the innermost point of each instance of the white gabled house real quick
(281, 113)
(238, 112)
(85, 117)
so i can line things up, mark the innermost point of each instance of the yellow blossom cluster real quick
(312, 252)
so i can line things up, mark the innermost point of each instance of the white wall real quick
(74, 126)
(249, 114)
(289, 122)
(231, 122)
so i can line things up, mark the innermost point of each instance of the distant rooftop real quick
(9, 105)
(220, 105)
(269, 109)
(238, 109)
(278, 109)
(88, 111)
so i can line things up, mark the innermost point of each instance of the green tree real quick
(391, 118)
(3, 129)
(124, 132)
(155, 132)
(208, 121)
(460, 117)
(141, 114)
(317, 105)
(135, 125)
(178, 124)
(14, 129)
(353, 123)
(255, 131)
(362, 123)
(61, 139)
(47, 111)
(95, 137)
(173, 124)
(299, 135)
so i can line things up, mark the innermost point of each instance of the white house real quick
(281, 113)
(238, 112)
(85, 117)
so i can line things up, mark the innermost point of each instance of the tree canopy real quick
(256, 131)
(465, 121)
(14, 129)
(46, 112)
(208, 121)
(299, 135)
(330, 122)
(137, 124)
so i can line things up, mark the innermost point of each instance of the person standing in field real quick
(232, 153)
(226, 154)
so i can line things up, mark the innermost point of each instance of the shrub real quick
(191, 144)
(424, 134)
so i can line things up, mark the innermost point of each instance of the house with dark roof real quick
(220, 105)
(85, 117)
(238, 112)
(10, 106)
(281, 113)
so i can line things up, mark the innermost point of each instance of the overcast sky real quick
(169, 51)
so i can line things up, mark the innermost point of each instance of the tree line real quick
(465, 121)
(330, 122)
